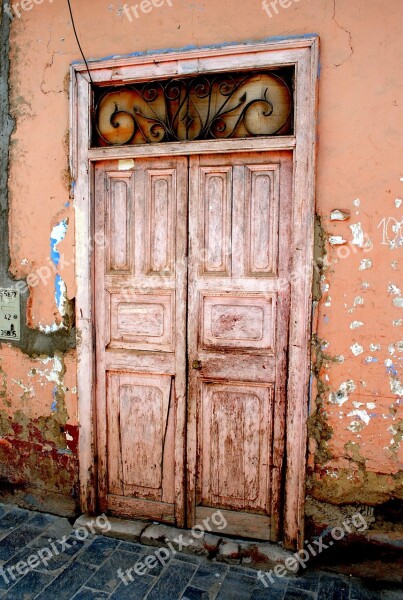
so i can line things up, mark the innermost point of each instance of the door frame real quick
(300, 52)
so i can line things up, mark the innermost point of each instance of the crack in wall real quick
(350, 37)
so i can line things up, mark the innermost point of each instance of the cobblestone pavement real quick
(43, 558)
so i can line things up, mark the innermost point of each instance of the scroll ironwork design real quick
(195, 108)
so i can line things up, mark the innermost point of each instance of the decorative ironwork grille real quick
(205, 107)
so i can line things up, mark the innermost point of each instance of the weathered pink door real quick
(232, 298)
(140, 307)
(240, 217)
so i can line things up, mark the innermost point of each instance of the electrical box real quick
(10, 320)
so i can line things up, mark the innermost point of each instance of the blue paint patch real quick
(373, 359)
(57, 235)
(67, 204)
(276, 38)
(391, 371)
(54, 403)
(59, 288)
(326, 318)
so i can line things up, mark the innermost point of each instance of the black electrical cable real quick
(78, 43)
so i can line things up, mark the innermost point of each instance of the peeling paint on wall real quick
(356, 349)
(342, 395)
(365, 264)
(358, 235)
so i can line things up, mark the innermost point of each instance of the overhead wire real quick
(78, 43)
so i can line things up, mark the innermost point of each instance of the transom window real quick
(208, 106)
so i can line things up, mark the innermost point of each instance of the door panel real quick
(140, 282)
(236, 448)
(237, 337)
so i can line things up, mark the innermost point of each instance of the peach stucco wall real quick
(355, 437)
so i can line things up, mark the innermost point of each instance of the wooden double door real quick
(192, 308)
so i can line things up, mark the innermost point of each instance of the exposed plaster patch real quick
(356, 349)
(358, 235)
(393, 289)
(398, 302)
(371, 405)
(397, 432)
(361, 414)
(342, 394)
(397, 323)
(365, 264)
(339, 215)
(57, 370)
(356, 202)
(374, 347)
(398, 202)
(396, 387)
(370, 359)
(27, 389)
(358, 301)
(394, 265)
(337, 240)
(355, 426)
(331, 473)
(51, 328)
(365, 285)
(356, 324)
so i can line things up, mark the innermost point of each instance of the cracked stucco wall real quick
(38, 414)
(355, 450)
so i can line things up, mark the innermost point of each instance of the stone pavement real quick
(43, 558)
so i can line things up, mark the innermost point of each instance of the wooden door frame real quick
(300, 52)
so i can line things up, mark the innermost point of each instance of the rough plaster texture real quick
(38, 414)
(355, 450)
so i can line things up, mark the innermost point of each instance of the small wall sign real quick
(10, 321)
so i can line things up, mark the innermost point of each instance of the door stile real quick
(283, 308)
(180, 380)
(193, 452)
(101, 301)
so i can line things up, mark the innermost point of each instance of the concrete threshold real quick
(250, 553)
